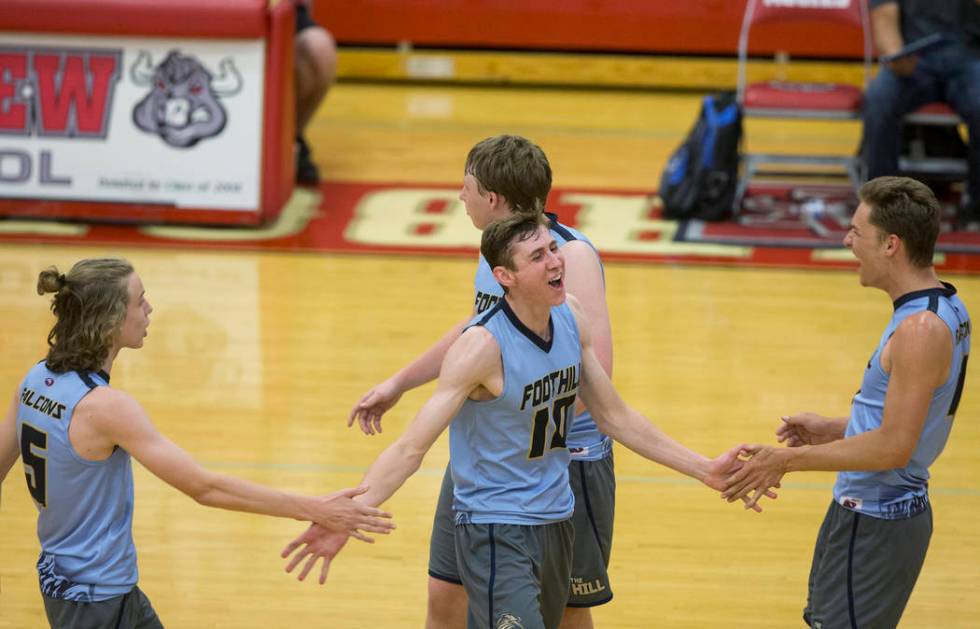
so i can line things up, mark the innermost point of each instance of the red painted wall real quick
(630, 26)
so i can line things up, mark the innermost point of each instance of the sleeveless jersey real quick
(508, 455)
(903, 492)
(85, 508)
(585, 442)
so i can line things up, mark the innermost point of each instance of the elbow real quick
(205, 499)
(900, 459)
(204, 491)
(411, 454)
(612, 428)
(897, 457)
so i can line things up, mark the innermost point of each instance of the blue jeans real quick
(951, 75)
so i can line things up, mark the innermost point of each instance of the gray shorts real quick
(129, 611)
(864, 568)
(594, 486)
(515, 575)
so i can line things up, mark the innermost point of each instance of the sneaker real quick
(306, 170)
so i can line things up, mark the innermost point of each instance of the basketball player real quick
(76, 435)
(507, 175)
(874, 538)
(508, 387)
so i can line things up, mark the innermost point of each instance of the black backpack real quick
(701, 175)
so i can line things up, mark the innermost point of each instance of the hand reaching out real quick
(758, 474)
(315, 543)
(338, 512)
(809, 429)
(723, 467)
(372, 405)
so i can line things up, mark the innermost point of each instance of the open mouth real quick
(556, 282)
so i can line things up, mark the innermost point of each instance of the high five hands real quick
(761, 471)
(762, 467)
(326, 536)
(722, 469)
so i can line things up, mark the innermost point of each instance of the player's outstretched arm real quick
(810, 429)
(382, 397)
(9, 451)
(920, 351)
(472, 361)
(115, 418)
(633, 430)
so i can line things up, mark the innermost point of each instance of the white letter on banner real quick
(622, 224)
(399, 217)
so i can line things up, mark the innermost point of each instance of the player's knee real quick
(319, 54)
(447, 605)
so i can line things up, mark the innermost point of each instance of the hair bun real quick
(50, 281)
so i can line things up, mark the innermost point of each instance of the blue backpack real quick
(701, 175)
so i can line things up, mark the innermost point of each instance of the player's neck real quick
(107, 365)
(910, 280)
(534, 316)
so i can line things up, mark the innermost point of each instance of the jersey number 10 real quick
(560, 413)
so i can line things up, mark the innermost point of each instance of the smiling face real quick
(537, 269)
(132, 331)
(869, 246)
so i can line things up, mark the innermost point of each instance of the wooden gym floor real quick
(253, 360)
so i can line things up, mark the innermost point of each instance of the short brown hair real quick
(908, 209)
(90, 304)
(513, 167)
(498, 240)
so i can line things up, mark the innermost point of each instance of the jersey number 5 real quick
(35, 465)
(559, 412)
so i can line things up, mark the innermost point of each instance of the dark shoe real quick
(306, 170)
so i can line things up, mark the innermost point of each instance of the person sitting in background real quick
(949, 74)
(315, 69)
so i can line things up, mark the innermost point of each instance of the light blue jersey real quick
(85, 508)
(508, 455)
(585, 442)
(903, 492)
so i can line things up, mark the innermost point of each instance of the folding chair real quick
(917, 160)
(800, 100)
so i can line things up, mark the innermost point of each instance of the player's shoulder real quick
(107, 403)
(471, 356)
(578, 314)
(921, 337)
(925, 323)
(476, 338)
(580, 251)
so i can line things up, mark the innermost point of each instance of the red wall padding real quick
(242, 19)
(634, 26)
